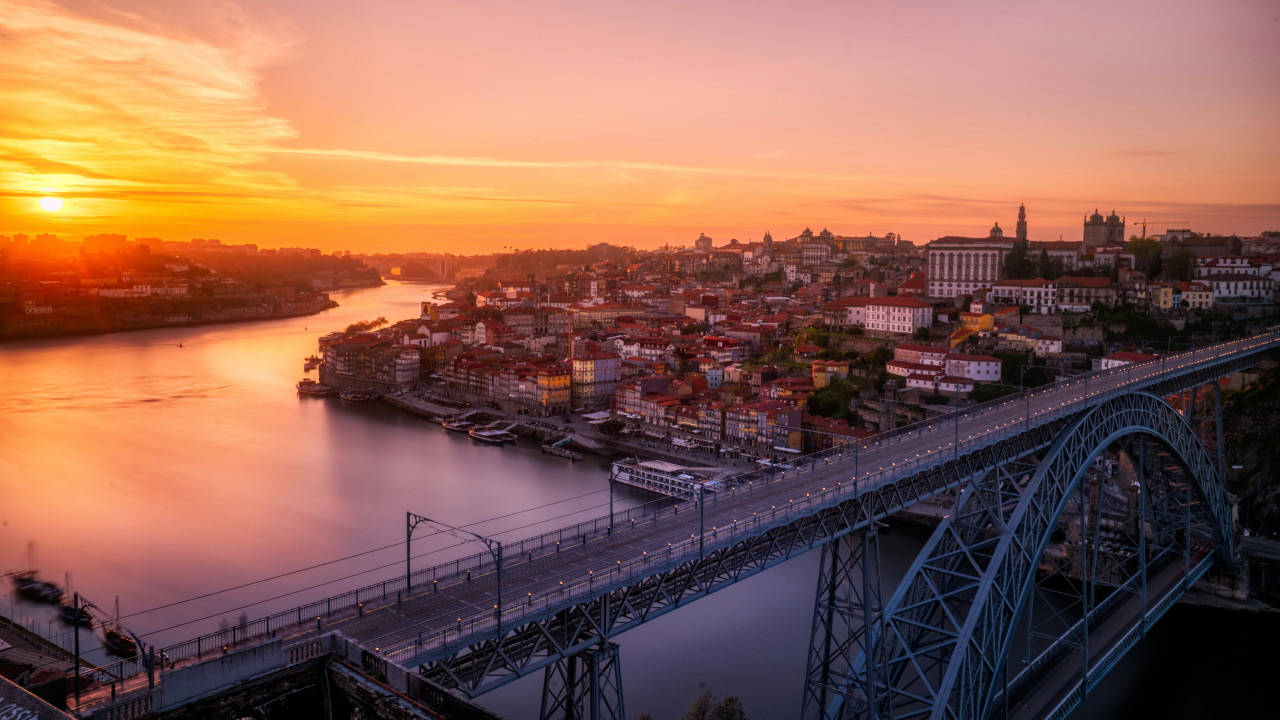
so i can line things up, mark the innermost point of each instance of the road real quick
(459, 606)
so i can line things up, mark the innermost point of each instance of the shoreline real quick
(160, 326)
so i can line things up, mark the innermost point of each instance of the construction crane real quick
(1159, 222)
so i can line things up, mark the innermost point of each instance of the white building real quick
(1038, 294)
(979, 368)
(1238, 287)
(961, 266)
(901, 315)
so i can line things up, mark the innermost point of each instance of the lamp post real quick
(701, 518)
(495, 549)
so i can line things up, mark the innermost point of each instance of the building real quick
(846, 312)
(595, 378)
(1124, 357)
(978, 322)
(1192, 296)
(554, 392)
(824, 371)
(979, 368)
(703, 243)
(1238, 288)
(960, 265)
(898, 315)
(1103, 231)
(1038, 294)
(920, 354)
(1078, 294)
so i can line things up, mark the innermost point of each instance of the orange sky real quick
(468, 127)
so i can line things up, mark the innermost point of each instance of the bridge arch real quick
(945, 635)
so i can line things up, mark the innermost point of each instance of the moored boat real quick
(27, 585)
(119, 643)
(307, 386)
(458, 426)
(68, 615)
(493, 437)
(356, 395)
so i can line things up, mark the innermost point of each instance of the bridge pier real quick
(847, 610)
(584, 686)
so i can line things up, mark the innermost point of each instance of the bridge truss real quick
(941, 646)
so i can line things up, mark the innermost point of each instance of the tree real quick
(1018, 264)
(879, 356)
(729, 708)
(365, 326)
(705, 707)
(1146, 255)
(833, 400)
(1181, 266)
(701, 707)
(922, 333)
(611, 426)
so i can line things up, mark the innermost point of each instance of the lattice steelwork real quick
(846, 612)
(949, 627)
(584, 686)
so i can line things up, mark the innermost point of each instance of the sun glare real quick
(51, 204)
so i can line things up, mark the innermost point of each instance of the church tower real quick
(1022, 222)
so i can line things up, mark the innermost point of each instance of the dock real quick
(556, 448)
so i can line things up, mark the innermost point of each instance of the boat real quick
(311, 363)
(67, 614)
(356, 395)
(493, 437)
(458, 426)
(118, 643)
(30, 587)
(307, 386)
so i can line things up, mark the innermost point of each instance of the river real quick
(163, 465)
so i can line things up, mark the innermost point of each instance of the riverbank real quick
(161, 323)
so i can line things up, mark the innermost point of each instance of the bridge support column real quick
(846, 612)
(585, 686)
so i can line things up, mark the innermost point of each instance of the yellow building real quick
(554, 389)
(826, 370)
(978, 322)
(1162, 296)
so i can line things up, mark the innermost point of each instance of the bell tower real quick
(1022, 222)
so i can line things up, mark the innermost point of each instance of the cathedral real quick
(1102, 231)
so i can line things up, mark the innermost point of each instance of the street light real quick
(701, 516)
(413, 520)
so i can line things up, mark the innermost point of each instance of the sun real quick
(51, 204)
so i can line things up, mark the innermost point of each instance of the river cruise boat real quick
(307, 386)
(493, 437)
(667, 478)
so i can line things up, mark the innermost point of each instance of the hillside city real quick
(760, 349)
(53, 286)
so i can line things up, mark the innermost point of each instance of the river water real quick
(163, 465)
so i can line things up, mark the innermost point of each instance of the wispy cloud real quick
(127, 99)
(485, 162)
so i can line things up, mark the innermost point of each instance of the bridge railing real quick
(677, 553)
(737, 529)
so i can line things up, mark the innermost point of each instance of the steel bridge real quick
(1003, 614)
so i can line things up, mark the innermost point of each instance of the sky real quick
(409, 125)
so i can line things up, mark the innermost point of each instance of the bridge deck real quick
(459, 608)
